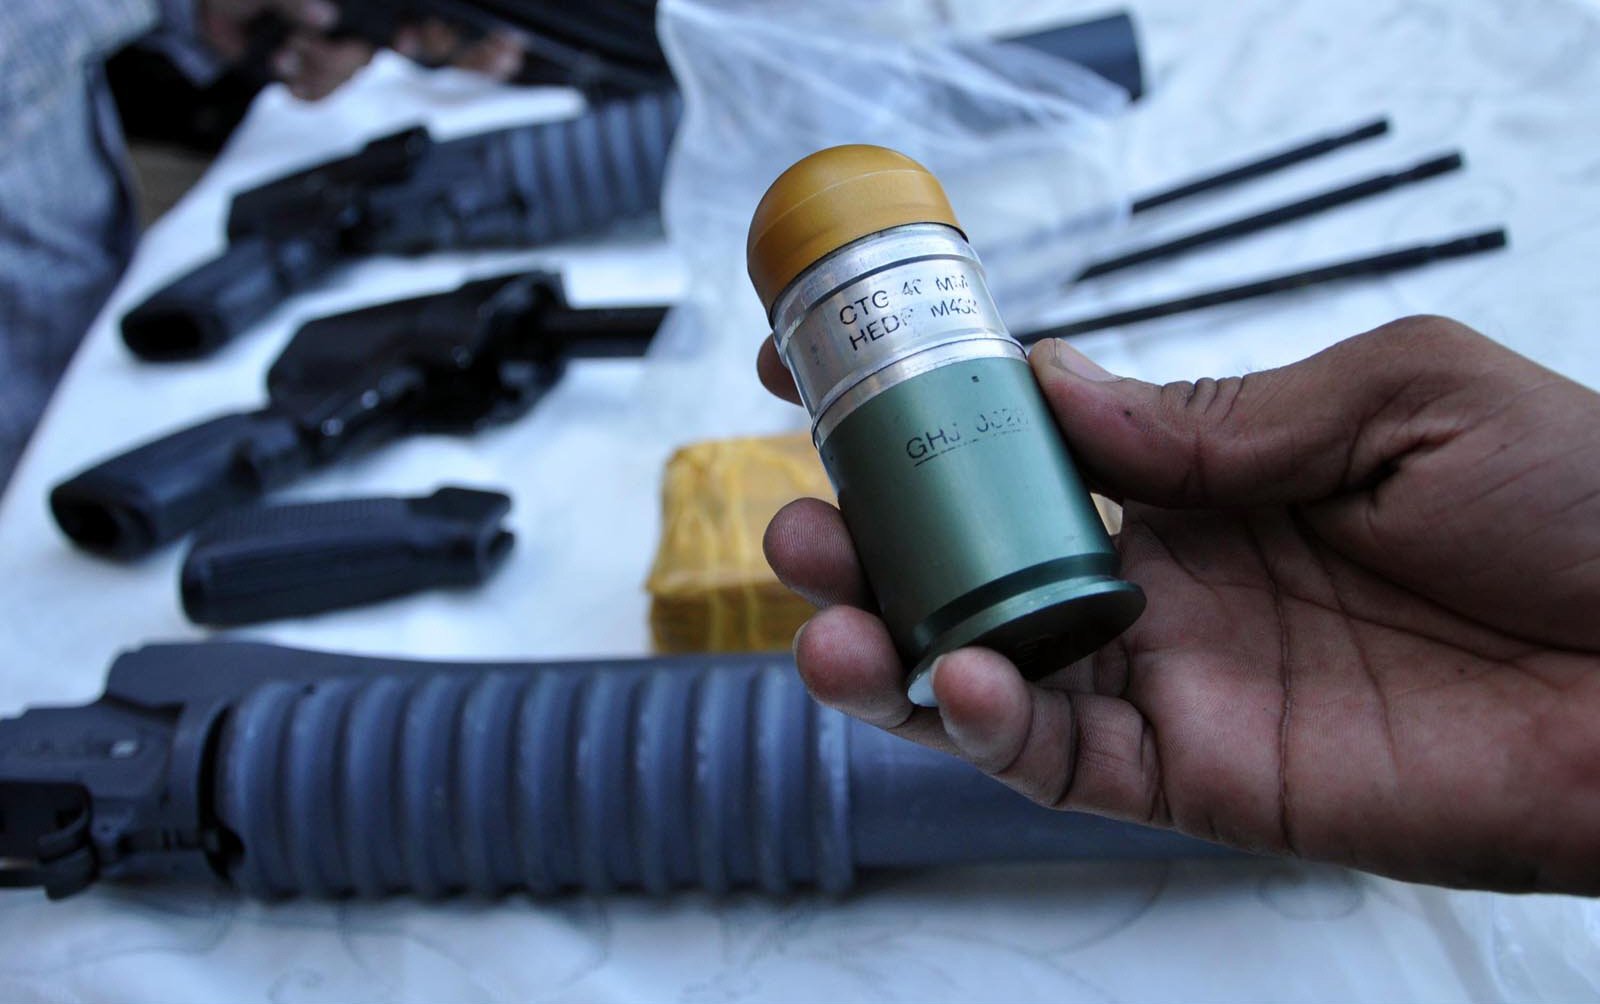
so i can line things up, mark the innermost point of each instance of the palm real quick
(1290, 696)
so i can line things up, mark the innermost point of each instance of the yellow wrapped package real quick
(710, 588)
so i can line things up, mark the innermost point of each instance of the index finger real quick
(774, 374)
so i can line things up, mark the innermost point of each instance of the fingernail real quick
(920, 692)
(1063, 356)
(794, 646)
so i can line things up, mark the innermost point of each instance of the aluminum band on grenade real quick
(882, 310)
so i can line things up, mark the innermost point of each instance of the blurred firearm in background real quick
(67, 219)
(66, 216)
(408, 193)
(451, 362)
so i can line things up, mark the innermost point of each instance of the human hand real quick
(1373, 632)
(313, 64)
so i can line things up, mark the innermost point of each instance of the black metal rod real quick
(602, 332)
(1379, 264)
(1263, 166)
(1278, 215)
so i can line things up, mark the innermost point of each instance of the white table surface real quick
(1517, 87)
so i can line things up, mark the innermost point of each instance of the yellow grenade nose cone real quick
(831, 198)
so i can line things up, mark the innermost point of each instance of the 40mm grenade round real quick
(970, 519)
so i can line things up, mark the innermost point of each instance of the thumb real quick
(1331, 423)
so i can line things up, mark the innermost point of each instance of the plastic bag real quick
(1023, 143)
(1537, 948)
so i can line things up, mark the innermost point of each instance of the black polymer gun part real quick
(451, 362)
(406, 194)
(268, 562)
(291, 773)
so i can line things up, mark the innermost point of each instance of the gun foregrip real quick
(135, 502)
(201, 311)
(567, 778)
(292, 560)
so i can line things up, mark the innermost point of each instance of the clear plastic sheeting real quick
(1539, 948)
(1025, 144)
